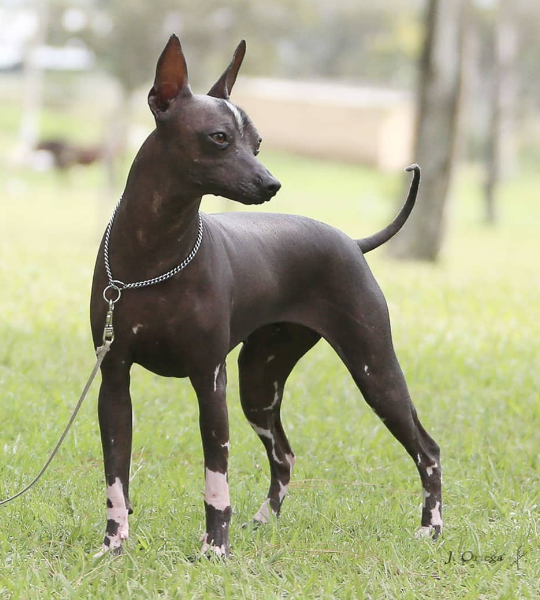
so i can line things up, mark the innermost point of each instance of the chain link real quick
(120, 285)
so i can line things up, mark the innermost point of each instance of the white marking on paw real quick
(236, 114)
(217, 550)
(429, 470)
(216, 491)
(424, 532)
(436, 519)
(270, 358)
(263, 514)
(216, 373)
(136, 328)
(118, 513)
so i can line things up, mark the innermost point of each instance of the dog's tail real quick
(381, 237)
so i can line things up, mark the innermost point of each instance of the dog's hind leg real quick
(367, 351)
(265, 362)
(115, 422)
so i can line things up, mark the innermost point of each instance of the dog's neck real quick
(157, 222)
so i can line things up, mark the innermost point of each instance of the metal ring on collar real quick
(115, 288)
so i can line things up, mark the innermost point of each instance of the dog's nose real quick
(272, 185)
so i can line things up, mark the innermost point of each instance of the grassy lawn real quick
(467, 334)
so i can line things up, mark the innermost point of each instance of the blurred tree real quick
(32, 96)
(441, 76)
(501, 143)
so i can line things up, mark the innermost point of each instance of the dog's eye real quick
(219, 137)
(258, 148)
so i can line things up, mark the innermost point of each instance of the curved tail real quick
(381, 237)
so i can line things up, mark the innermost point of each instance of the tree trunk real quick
(437, 125)
(501, 151)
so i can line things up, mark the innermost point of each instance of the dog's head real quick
(206, 135)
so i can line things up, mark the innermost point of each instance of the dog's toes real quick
(424, 532)
(433, 531)
(211, 551)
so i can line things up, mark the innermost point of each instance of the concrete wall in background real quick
(355, 124)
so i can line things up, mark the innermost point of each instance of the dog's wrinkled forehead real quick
(216, 111)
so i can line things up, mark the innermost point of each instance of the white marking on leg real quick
(227, 445)
(429, 470)
(216, 374)
(436, 519)
(291, 459)
(283, 489)
(136, 328)
(276, 397)
(267, 434)
(425, 495)
(216, 491)
(270, 358)
(237, 115)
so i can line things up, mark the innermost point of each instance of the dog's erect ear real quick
(223, 86)
(171, 78)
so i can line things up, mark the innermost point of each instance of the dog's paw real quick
(426, 531)
(210, 550)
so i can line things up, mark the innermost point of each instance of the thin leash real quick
(116, 286)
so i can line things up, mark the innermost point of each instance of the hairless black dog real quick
(275, 283)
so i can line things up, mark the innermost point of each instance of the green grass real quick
(467, 334)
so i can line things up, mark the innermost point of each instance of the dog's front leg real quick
(214, 424)
(115, 422)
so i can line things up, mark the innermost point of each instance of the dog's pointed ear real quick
(223, 86)
(171, 78)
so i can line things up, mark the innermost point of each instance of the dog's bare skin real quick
(275, 283)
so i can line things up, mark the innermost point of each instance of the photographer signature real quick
(468, 556)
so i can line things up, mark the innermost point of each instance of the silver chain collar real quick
(117, 286)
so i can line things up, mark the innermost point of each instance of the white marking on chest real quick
(270, 358)
(429, 470)
(227, 445)
(216, 492)
(419, 459)
(237, 115)
(366, 370)
(136, 328)
(436, 518)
